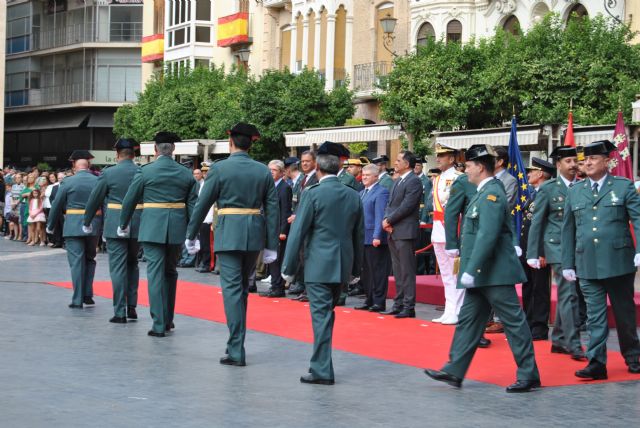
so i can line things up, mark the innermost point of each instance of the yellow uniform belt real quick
(421, 205)
(164, 205)
(79, 211)
(119, 206)
(245, 211)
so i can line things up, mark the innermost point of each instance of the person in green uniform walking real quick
(81, 246)
(489, 268)
(248, 222)
(330, 225)
(111, 188)
(168, 192)
(598, 248)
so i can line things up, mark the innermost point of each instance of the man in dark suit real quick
(377, 263)
(284, 200)
(401, 222)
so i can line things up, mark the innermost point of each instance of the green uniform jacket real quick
(330, 224)
(460, 194)
(386, 181)
(427, 189)
(239, 182)
(161, 181)
(546, 224)
(348, 180)
(111, 188)
(596, 239)
(73, 194)
(487, 251)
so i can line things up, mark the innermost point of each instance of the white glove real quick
(518, 251)
(467, 280)
(192, 245)
(87, 229)
(534, 263)
(123, 233)
(636, 260)
(452, 253)
(269, 256)
(569, 274)
(288, 278)
(49, 231)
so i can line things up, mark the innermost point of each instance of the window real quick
(454, 31)
(203, 10)
(179, 12)
(18, 28)
(578, 11)
(203, 34)
(425, 33)
(200, 62)
(126, 23)
(512, 25)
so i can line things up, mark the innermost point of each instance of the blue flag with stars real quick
(516, 169)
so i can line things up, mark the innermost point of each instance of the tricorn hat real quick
(247, 129)
(127, 143)
(478, 151)
(291, 160)
(602, 147)
(380, 159)
(538, 164)
(334, 149)
(80, 154)
(563, 152)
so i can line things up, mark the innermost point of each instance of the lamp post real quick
(243, 56)
(388, 24)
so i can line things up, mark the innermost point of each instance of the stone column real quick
(348, 50)
(331, 45)
(316, 41)
(294, 46)
(305, 41)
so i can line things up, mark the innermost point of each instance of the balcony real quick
(366, 77)
(128, 32)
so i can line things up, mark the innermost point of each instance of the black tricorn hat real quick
(380, 159)
(246, 129)
(602, 147)
(80, 154)
(164, 137)
(542, 165)
(127, 143)
(335, 149)
(291, 160)
(563, 152)
(479, 151)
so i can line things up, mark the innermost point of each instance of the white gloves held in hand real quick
(452, 253)
(192, 245)
(569, 274)
(467, 280)
(87, 229)
(123, 233)
(534, 263)
(518, 251)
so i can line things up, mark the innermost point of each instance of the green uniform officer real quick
(345, 178)
(330, 225)
(598, 248)
(383, 179)
(81, 246)
(248, 222)
(168, 192)
(544, 240)
(489, 269)
(111, 188)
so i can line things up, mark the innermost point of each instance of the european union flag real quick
(516, 169)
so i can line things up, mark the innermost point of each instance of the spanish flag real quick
(233, 29)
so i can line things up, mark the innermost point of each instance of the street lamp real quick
(243, 56)
(388, 24)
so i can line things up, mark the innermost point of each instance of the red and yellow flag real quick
(233, 29)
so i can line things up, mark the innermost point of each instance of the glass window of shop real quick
(118, 75)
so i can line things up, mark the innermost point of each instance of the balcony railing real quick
(66, 94)
(126, 31)
(86, 33)
(366, 77)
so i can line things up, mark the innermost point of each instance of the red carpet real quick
(411, 342)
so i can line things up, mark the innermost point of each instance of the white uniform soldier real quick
(446, 160)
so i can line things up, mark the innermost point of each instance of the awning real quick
(584, 135)
(343, 134)
(182, 148)
(528, 135)
(44, 121)
(101, 119)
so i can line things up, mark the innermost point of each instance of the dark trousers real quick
(403, 261)
(125, 275)
(81, 253)
(375, 275)
(421, 259)
(277, 282)
(322, 301)
(162, 278)
(203, 259)
(536, 299)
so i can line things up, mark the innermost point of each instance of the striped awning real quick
(343, 134)
(527, 136)
(589, 134)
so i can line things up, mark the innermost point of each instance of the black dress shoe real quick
(523, 386)
(356, 292)
(168, 327)
(72, 306)
(309, 378)
(253, 289)
(272, 293)
(118, 320)
(441, 376)
(539, 336)
(296, 288)
(203, 270)
(484, 342)
(88, 301)
(578, 354)
(215, 272)
(155, 334)
(131, 313)
(227, 361)
(406, 314)
(634, 368)
(362, 308)
(391, 312)
(594, 370)
(376, 308)
(559, 349)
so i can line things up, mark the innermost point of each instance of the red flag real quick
(620, 162)
(568, 137)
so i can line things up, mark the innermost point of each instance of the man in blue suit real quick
(377, 262)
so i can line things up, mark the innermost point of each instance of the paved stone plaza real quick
(72, 368)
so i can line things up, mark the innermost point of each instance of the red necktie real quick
(304, 181)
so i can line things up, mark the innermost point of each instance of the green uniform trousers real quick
(471, 324)
(620, 292)
(162, 278)
(81, 253)
(235, 269)
(566, 328)
(322, 301)
(123, 268)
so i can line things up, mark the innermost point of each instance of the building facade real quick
(69, 65)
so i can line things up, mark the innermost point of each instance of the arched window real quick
(454, 31)
(578, 11)
(512, 25)
(425, 32)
